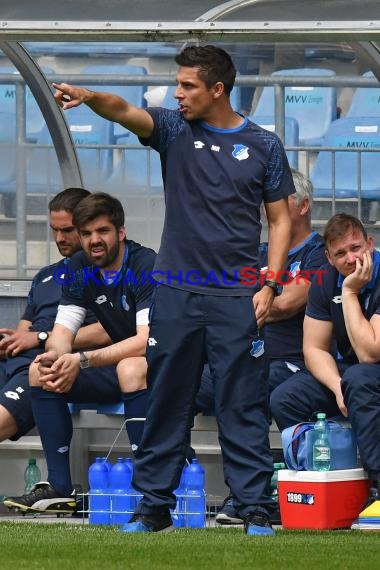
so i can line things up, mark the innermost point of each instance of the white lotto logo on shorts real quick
(152, 341)
(14, 395)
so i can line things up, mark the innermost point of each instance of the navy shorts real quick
(93, 385)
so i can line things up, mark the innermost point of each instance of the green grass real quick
(57, 546)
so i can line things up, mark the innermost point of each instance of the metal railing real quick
(23, 145)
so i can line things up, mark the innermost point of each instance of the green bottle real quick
(32, 475)
(274, 480)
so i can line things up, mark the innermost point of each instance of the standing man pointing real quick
(218, 167)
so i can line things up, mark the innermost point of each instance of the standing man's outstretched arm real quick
(107, 105)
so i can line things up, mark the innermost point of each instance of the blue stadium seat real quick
(313, 107)
(235, 98)
(89, 129)
(169, 102)
(365, 101)
(291, 134)
(132, 93)
(34, 117)
(138, 170)
(75, 408)
(7, 149)
(42, 173)
(90, 133)
(117, 408)
(350, 133)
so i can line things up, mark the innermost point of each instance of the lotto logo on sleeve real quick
(63, 276)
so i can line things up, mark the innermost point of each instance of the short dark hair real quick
(67, 199)
(99, 204)
(214, 64)
(339, 225)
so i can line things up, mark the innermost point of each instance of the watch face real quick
(42, 336)
(83, 361)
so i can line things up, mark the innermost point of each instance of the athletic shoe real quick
(42, 499)
(258, 524)
(227, 513)
(159, 522)
(82, 504)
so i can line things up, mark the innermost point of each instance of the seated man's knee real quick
(131, 373)
(357, 376)
(276, 404)
(33, 375)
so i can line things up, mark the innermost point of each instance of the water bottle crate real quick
(180, 514)
(112, 498)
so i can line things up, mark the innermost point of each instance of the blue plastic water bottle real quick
(178, 514)
(107, 463)
(131, 499)
(195, 498)
(99, 499)
(120, 481)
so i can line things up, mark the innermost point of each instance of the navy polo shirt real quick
(114, 303)
(325, 304)
(283, 339)
(44, 296)
(215, 181)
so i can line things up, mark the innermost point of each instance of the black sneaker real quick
(258, 524)
(158, 522)
(42, 499)
(82, 503)
(227, 513)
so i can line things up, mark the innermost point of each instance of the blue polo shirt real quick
(215, 181)
(284, 339)
(325, 304)
(115, 303)
(44, 296)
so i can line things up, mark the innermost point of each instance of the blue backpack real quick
(298, 441)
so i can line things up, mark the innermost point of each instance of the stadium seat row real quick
(310, 119)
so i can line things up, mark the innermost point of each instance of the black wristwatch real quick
(277, 287)
(42, 337)
(83, 360)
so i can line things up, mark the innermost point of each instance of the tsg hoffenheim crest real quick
(257, 348)
(240, 152)
(295, 268)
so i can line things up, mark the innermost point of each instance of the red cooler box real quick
(321, 499)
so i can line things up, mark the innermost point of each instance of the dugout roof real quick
(166, 20)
